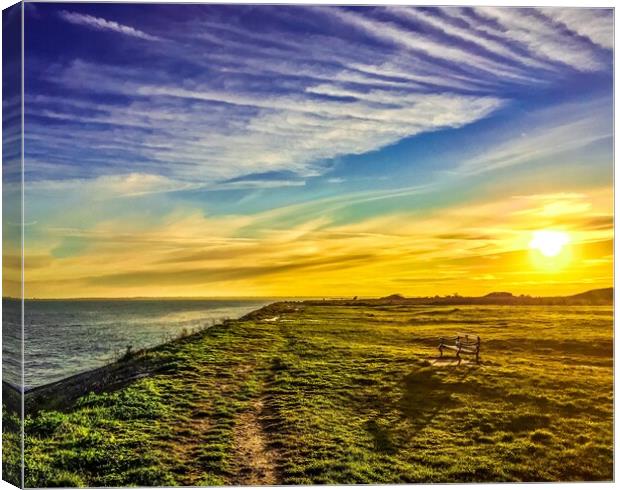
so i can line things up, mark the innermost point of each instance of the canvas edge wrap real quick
(12, 246)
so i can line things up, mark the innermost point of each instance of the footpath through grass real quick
(303, 394)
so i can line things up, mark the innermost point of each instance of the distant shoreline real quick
(600, 296)
(179, 298)
(594, 297)
(61, 393)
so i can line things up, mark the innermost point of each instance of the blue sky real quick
(287, 118)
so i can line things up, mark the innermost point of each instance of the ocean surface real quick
(63, 338)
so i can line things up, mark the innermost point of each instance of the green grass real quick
(11, 448)
(350, 395)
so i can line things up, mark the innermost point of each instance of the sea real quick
(63, 338)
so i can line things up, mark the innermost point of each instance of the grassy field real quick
(301, 394)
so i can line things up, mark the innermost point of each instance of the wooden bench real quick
(461, 344)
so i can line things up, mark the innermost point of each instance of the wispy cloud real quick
(209, 134)
(426, 45)
(529, 28)
(550, 133)
(102, 24)
(591, 23)
(250, 101)
(447, 26)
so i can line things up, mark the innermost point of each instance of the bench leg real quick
(440, 351)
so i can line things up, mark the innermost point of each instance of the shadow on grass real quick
(426, 392)
(453, 361)
(425, 395)
(382, 437)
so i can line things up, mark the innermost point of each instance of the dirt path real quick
(256, 462)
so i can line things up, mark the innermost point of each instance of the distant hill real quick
(603, 295)
(498, 294)
(600, 297)
(394, 297)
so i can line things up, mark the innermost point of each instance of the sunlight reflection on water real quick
(63, 338)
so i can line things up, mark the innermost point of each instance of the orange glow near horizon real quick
(470, 249)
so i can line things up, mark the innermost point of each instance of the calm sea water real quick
(63, 338)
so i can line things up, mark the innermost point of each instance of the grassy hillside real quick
(311, 393)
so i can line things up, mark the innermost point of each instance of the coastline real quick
(311, 383)
(62, 393)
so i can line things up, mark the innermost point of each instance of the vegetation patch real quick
(329, 393)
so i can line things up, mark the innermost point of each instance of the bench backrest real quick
(463, 339)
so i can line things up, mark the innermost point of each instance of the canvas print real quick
(306, 244)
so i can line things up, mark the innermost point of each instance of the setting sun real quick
(549, 243)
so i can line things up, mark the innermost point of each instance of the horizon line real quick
(136, 298)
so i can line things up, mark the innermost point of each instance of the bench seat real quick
(471, 350)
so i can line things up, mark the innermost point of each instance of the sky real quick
(213, 150)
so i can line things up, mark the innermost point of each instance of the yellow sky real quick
(470, 249)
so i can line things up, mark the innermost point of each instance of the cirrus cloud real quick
(102, 24)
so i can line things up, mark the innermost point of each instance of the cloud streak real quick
(102, 24)
(591, 23)
(528, 28)
(551, 133)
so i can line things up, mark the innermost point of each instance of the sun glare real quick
(549, 243)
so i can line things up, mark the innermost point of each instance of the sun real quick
(549, 242)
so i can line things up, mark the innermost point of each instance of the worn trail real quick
(256, 463)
